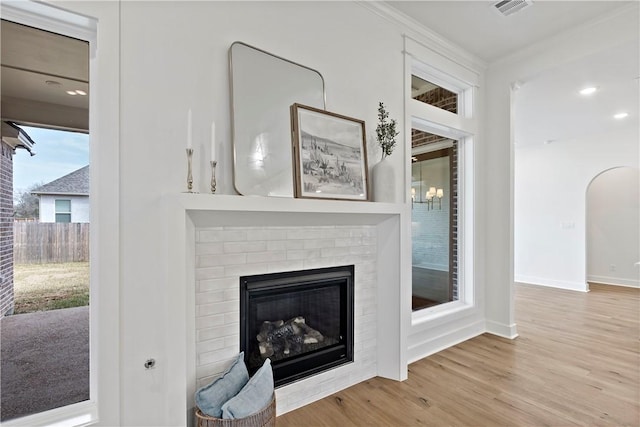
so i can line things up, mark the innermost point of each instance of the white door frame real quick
(104, 265)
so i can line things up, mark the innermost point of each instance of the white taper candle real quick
(213, 141)
(189, 140)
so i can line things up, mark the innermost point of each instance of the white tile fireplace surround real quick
(225, 237)
(223, 254)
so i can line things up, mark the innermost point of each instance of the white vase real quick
(384, 181)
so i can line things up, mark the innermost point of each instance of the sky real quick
(57, 154)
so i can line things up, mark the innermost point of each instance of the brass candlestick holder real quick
(189, 170)
(213, 176)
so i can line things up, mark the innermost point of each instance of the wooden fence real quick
(35, 243)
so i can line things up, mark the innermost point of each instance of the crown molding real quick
(420, 33)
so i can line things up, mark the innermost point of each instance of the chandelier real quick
(429, 197)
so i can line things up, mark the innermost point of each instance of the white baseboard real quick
(561, 284)
(423, 349)
(616, 281)
(502, 330)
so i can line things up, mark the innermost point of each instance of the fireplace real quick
(301, 320)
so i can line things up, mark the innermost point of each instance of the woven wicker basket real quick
(264, 418)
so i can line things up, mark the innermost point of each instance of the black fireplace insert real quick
(301, 320)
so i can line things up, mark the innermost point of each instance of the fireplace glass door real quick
(302, 321)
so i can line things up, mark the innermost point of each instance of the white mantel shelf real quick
(276, 211)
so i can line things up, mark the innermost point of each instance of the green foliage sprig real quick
(386, 131)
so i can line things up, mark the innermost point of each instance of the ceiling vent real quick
(509, 7)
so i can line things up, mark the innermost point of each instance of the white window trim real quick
(51, 18)
(428, 148)
(454, 75)
(466, 288)
(462, 127)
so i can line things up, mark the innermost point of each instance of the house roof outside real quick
(17, 137)
(75, 183)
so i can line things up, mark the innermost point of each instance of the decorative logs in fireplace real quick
(281, 339)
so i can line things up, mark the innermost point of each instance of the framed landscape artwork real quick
(329, 155)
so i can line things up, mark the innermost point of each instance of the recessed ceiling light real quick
(620, 115)
(52, 83)
(588, 90)
(76, 92)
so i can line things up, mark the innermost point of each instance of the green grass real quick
(42, 287)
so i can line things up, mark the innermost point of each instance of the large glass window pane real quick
(434, 224)
(45, 361)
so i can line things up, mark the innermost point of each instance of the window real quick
(434, 223)
(63, 210)
(439, 104)
(432, 94)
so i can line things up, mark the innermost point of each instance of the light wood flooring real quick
(576, 362)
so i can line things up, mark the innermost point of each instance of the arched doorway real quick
(613, 227)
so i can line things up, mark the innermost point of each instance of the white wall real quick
(498, 127)
(174, 57)
(613, 227)
(158, 59)
(551, 204)
(79, 208)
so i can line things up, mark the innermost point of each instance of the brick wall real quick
(420, 138)
(223, 254)
(440, 98)
(454, 218)
(6, 229)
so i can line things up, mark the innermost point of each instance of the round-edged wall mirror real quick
(263, 88)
